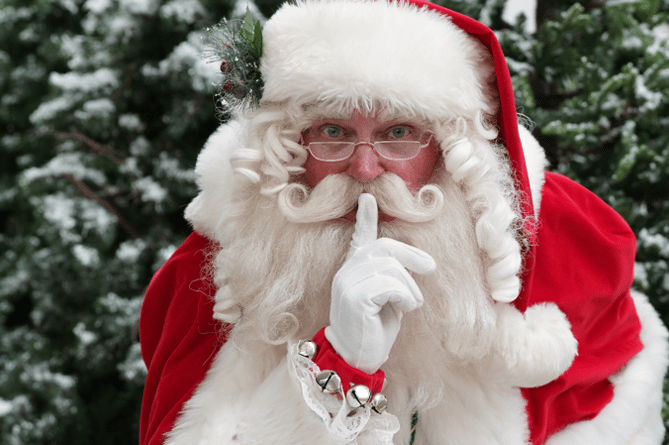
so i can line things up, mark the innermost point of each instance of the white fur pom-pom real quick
(534, 348)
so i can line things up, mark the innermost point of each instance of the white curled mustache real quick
(336, 195)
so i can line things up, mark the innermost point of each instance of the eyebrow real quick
(323, 116)
(383, 119)
(315, 114)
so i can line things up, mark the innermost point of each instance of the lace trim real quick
(354, 427)
(380, 430)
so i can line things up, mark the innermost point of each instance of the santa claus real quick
(380, 258)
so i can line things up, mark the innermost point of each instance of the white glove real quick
(371, 291)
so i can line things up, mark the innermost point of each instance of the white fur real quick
(367, 52)
(212, 207)
(479, 413)
(248, 398)
(633, 417)
(534, 348)
(536, 163)
(474, 411)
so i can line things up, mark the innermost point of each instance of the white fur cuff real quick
(533, 348)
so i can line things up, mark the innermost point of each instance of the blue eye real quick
(398, 132)
(333, 131)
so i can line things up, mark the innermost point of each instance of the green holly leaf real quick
(247, 27)
(251, 32)
(256, 45)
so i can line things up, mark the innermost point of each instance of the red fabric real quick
(178, 335)
(327, 358)
(584, 263)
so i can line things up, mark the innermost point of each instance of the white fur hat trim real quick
(360, 53)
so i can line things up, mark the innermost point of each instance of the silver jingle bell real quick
(358, 396)
(379, 403)
(306, 348)
(329, 381)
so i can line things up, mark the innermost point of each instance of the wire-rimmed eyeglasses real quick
(391, 150)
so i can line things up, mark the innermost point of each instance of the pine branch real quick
(103, 150)
(238, 46)
(90, 194)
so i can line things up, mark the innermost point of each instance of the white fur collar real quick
(210, 208)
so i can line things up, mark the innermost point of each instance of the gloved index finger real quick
(412, 258)
(366, 220)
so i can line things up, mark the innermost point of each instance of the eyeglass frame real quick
(372, 144)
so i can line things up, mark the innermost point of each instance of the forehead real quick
(318, 113)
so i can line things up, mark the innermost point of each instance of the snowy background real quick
(104, 105)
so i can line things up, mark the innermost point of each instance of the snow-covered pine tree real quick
(104, 107)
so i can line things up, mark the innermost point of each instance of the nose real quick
(365, 164)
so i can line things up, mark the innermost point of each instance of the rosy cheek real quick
(416, 173)
(422, 168)
(317, 170)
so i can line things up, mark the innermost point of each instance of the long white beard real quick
(274, 279)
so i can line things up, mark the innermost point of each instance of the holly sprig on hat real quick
(238, 46)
